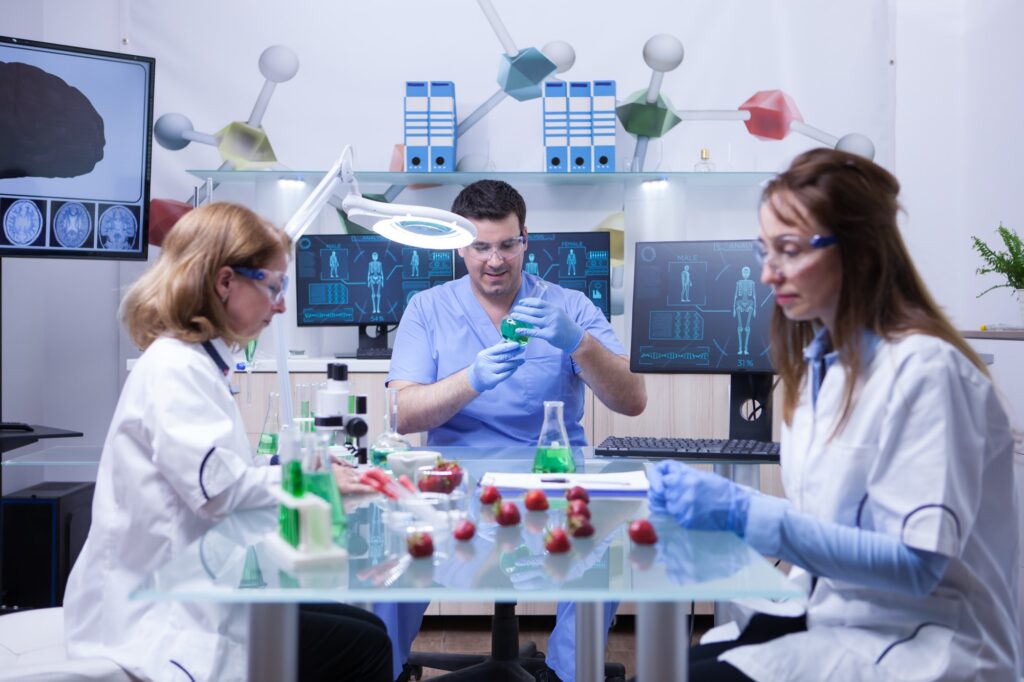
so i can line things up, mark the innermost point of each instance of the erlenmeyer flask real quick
(389, 440)
(268, 443)
(554, 456)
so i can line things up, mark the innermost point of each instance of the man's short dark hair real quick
(490, 200)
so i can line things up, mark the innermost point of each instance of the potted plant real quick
(1008, 263)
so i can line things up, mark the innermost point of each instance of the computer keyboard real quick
(704, 449)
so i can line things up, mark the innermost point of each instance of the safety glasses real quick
(789, 253)
(274, 281)
(510, 248)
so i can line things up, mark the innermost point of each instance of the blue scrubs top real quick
(442, 330)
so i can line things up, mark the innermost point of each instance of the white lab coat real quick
(927, 457)
(176, 460)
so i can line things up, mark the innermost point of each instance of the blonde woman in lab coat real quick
(177, 460)
(896, 457)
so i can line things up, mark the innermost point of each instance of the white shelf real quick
(723, 179)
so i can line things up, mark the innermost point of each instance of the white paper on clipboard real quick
(612, 482)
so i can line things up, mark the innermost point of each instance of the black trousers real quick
(339, 643)
(704, 665)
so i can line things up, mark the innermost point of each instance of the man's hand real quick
(550, 323)
(495, 364)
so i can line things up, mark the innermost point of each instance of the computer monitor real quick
(363, 281)
(75, 149)
(574, 260)
(699, 307)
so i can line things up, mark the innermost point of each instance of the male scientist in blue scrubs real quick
(464, 385)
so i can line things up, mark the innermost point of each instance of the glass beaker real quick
(304, 404)
(554, 456)
(268, 443)
(389, 440)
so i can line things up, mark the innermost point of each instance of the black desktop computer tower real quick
(42, 530)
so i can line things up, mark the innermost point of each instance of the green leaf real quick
(1008, 263)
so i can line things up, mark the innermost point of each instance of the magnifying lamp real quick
(419, 226)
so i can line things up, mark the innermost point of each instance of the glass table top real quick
(83, 454)
(231, 562)
(57, 455)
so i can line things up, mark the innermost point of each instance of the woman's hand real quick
(348, 482)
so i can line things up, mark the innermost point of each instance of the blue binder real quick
(442, 127)
(581, 145)
(604, 126)
(417, 111)
(556, 127)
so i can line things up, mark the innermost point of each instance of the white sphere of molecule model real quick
(169, 130)
(561, 54)
(663, 52)
(858, 144)
(279, 63)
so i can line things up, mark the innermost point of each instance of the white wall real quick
(951, 137)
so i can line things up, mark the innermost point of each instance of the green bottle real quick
(508, 330)
(554, 455)
(288, 518)
(322, 484)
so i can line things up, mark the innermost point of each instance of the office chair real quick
(508, 659)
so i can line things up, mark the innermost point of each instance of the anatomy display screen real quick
(699, 307)
(344, 279)
(573, 260)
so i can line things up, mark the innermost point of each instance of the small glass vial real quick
(705, 164)
(389, 440)
(554, 456)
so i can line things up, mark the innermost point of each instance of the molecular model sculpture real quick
(767, 114)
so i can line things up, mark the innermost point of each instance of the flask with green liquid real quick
(508, 330)
(554, 456)
(269, 442)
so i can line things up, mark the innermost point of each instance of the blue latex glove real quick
(550, 323)
(495, 364)
(697, 499)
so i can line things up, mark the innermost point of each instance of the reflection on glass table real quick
(499, 564)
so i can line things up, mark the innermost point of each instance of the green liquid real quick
(287, 518)
(553, 461)
(321, 484)
(379, 457)
(250, 351)
(508, 330)
(267, 444)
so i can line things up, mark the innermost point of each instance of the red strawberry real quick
(536, 500)
(556, 541)
(580, 526)
(642, 532)
(443, 478)
(464, 530)
(577, 493)
(578, 507)
(506, 513)
(420, 544)
(490, 495)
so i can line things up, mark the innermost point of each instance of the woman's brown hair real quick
(856, 200)
(177, 296)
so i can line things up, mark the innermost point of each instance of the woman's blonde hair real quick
(881, 291)
(177, 296)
